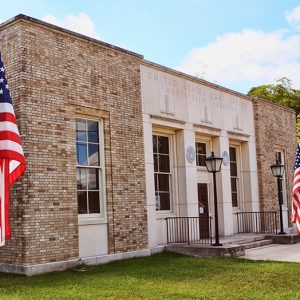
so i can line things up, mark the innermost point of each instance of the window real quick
(88, 166)
(200, 154)
(162, 173)
(234, 176)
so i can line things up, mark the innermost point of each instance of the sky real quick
(235, 43)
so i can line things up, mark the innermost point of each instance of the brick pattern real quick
(62, 77)
(275, 129)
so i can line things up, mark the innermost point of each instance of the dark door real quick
(203, 210)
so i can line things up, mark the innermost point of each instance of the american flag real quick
(12, 160)
(296, 193)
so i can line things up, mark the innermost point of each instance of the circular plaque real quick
(190, 154)
(225, 156)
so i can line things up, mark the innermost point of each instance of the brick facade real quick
(275, 129)
(54, 78)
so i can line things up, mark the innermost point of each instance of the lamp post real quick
(278, 171)
(213, 165)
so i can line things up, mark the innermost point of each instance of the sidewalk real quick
(290, 253)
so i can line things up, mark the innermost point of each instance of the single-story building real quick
(115, 148)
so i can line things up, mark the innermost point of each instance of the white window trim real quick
(208, 142)
(240, 186)
(98, 218)
(161, 214)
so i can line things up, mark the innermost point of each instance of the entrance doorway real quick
(203, 210)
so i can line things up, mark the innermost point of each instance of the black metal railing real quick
(189, 230)
(257, 222)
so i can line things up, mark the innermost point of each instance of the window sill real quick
(88, 220)
(166, 214)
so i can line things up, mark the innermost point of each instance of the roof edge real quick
(67, 31)
(195, 79)
(210, 84)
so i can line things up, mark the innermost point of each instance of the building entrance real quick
(203, 210)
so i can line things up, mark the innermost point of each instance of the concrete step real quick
(257, 244)
(244, 240)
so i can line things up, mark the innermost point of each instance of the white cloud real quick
(81, 24)
(248, 58)
(293, 17)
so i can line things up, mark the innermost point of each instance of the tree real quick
(281, 93)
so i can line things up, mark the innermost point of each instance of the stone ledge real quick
(284, 238)
(207, 250)
(31, 270)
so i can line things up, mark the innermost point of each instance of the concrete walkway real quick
(275, 252)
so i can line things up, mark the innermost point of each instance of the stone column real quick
(150, 189)
(220, 144)
(187, 174)
(249, 175)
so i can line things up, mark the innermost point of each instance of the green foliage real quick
(162, 276)
(281, 93)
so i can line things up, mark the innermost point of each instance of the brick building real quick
(105, 135)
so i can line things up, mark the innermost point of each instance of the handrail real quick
(257, 222)
(189, 230)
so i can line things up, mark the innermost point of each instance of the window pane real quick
(164, 163)
(232, 153)
(81, 179)
(201, 160)
(155, 157)
(278, 156)
(93, 155)
(157, 201)
(94, 203)
(93, 179)
(163, 182)
(201, 148)
(233, 169)
(234, 199)
(82, 202)
(80, 130)
(163, 144)
(81, 154)
(233, 184)
(155, 182)
(93, 135)
(164, 201)
(154, 140)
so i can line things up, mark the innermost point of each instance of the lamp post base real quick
(217, 244)
(281, 232)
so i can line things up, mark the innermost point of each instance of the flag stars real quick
(1, 80)
(6, 86)
(2, 69)
(1, 91)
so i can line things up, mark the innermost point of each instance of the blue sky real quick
(237, 44)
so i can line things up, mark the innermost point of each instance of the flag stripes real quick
(296, 193)
(12, 160)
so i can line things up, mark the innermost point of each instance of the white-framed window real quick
(89, 167)
(279, 154)
(162, 171)
(235, 175)
(201, 153)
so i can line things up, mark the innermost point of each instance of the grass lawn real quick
(162, 276)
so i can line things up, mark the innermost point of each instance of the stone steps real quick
(257, 244)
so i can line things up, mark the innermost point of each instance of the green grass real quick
(162, 276)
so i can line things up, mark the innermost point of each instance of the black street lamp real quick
(213, 165)
(278, 171)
